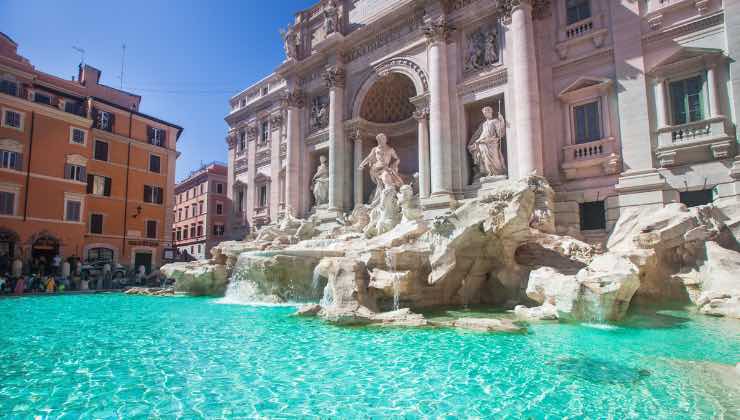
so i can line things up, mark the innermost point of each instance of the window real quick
(263, 196)
(187, 209)
(194, 208)
(74, 172)
(96, 223)
(199, 248)
(8, 87)
(77, 136)
(179, 214)
(105, 254)
(73, 107)
(101, 150)
(587, 122)
(154, 163)
(218, 230)
(200, 207)
(72, 210)
(219, 208)
(265, 131)
(241, 201)
(577, 10)
(593, 215)
(178, 235)
(99, 185)
(696, 198)
(153, 194)
(156, 136)
(42, 98)
(220, 188)
(265, 90)
(200, 229)
(687, 100)
(242, 141)
(151, 229)
(13, 119)
(104, 120)
(7, 203)
(185, 233)
(10, 160)
(201, 188)
(192, 230)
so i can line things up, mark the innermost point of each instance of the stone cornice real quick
(334, 77)
(293, 99)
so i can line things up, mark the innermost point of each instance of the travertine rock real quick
(546, 312)
(487, 325)
(197, 277)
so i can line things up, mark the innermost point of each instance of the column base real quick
(326, 214)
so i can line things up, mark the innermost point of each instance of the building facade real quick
(83, 172)
(618, 103)
(202, 209)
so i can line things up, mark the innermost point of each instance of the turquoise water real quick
(106, 356)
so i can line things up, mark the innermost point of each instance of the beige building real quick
(618, 103)
(201, 210)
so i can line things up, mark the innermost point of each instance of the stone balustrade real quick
(579, 28)
(594, 158)
(698, 141)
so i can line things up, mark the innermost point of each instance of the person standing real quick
(56, 263)
(17, 269)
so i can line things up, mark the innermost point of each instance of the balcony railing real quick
(579, 28)
(594, 158)
(696, 141)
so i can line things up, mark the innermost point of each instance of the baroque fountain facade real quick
(415, 154)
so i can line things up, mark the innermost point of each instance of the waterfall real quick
(243, 291)
(328, 298)
(396, 292)
(316, 279)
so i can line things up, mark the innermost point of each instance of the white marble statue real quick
(321, 182)
(383, 164)
(410, 209)
(385, 216)
(331, 18)
(290, 42)
(485, 145)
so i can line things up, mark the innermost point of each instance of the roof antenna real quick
(82, 54)
(123, 60)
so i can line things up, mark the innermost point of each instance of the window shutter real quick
(67, 171)
(147, 194)
(90, 182)
(160, 198)
(83, 174)
(150, 134)
(96, 117)
(107, 186)
(18, 161)
(111, 120)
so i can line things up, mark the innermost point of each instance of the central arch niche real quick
(386, 108)
(387, 101)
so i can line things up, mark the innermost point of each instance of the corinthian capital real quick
(421, 114)
(334, 77)
(231, 139)
(293, 99)
(437, 30)
(539, 8)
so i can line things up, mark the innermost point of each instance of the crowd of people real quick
(58, 274)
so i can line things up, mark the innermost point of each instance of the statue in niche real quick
(482, 49)
(485, 145)
(383, 164)
(290, 42)
(331, 17)
(321, 182)
(319, 113)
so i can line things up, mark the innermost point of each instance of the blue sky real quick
(185, 58)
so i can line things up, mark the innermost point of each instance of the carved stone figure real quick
(290, 42)
(482, 49)
(485, 145)
(331, 17)
(321, 182)
(319, 113)
(385, 216)
(287, 226)
(410, 210)
(383, 164)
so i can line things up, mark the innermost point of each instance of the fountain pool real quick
(104, 356)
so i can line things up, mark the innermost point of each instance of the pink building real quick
(201, 209)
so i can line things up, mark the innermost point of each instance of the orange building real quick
(82, 171)
(201, 210)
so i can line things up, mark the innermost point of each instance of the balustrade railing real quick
(579, 28)
(590, 150)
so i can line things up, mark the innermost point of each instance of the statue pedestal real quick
(325, 214)
(487, 183)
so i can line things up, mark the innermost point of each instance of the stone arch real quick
(398, 65)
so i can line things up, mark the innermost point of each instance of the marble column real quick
(251, 174)
(334, 78)
(292, 102)
(661, 112)
(440, 134)
(527, 118)
(276, 130)
(359, 174)
(422, 117)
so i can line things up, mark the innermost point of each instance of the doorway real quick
(145, 259)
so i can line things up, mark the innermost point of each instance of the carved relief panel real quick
(481, 48)
(319, 113)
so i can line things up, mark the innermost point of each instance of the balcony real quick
(579, 28)
(596, 158)
(699, 141)
(240, 166)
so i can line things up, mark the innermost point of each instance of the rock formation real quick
(498, 249)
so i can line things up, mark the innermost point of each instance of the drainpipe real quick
(125, 197)
(28, 169)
